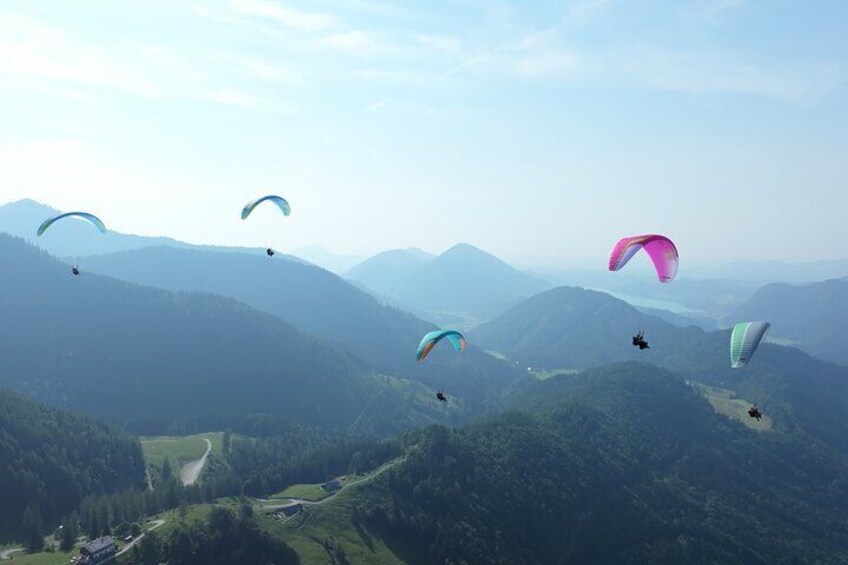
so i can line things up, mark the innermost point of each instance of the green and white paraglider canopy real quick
(744, 340)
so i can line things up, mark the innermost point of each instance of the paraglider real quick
(90, 218)
(659, 248)
(281, 203)
(639, 340)
(754, 412)
(441, 396)
(429, 341)
(744, 340)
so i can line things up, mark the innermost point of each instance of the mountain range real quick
(320, 304)
(149, 357)
(463, 281)
(812, 317)
(571, 328)
(627, 458)
(621, 464)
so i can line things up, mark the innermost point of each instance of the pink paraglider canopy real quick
(659, 248)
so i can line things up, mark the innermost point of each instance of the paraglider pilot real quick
(639, 340)
(754, 412)
(75, 271)
(270, 252)
(441, 396)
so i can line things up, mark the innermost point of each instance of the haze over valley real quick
(356, 282)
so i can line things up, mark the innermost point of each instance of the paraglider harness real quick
(754, 412)
(441, 396)
(639, 340)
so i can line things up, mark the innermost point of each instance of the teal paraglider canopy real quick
(281, 203)
(90, 218)
(429, 341)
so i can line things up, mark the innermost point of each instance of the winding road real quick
(331, 496)
(7, 553)
(191, 471)
(129, 546)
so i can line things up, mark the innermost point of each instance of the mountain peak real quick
(465, 252)
(28, 208)
(466, 248)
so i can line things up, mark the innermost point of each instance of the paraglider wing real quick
(659, 248)
(744, 340)
(429, 341)
(278, 200)
(91, 218)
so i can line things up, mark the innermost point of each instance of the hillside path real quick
(7, 553)
(129, 546)
(331, 496)
(191, 471)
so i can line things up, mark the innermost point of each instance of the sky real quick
(541, 131)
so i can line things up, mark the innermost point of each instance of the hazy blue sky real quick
(541, 131)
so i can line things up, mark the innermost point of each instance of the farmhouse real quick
(97, 551)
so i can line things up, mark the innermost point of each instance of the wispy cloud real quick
(375, 7)
(30, 50)
(561, 64)
(39, 57)
(289, 17)
(404, 76)
(376, 105)
(439, 41)
(710, 11)
(355, 42)
(550, 54)
(270, 72)
(577, 14)
(680, 71)
(231, 97)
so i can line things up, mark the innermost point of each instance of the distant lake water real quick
(675, 307)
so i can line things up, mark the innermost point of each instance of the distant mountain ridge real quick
(572, 328)
(814, 317)
(385, 273)
(575, 328)
(770, 271)
(76, 240)
(69, 239)
(321, 304)
(150, 358)
(462, 280)
(337, 263)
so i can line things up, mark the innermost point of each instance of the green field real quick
(332, 524)
(194, 513)
(306, 492)
(724, 402)
(180, 450)
(43, 558)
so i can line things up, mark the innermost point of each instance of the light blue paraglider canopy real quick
(91, 218)
(278, 200)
